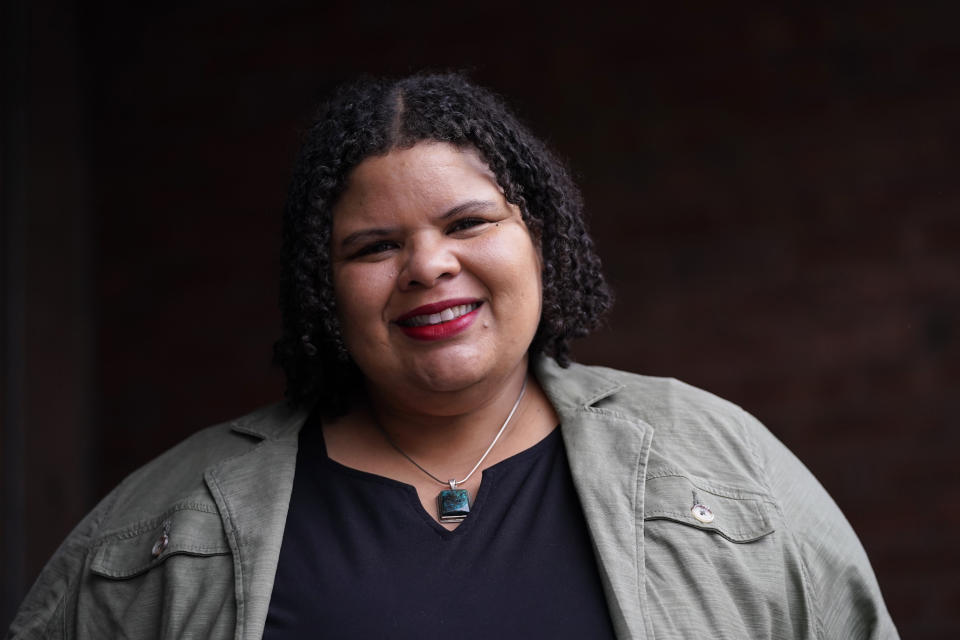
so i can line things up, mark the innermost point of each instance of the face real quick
(437, 278)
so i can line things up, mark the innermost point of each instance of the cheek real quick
(534, 284)
(517, 268)
(362, 294)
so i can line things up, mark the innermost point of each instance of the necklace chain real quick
(453, 483)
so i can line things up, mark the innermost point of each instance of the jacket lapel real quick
(252, 492)
(608, 455)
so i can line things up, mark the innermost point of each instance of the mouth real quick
(439, 320)
(438, 312)
(447, 314)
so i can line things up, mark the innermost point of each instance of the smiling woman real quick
(440, 466)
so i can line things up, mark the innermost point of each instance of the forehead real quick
(427, 174)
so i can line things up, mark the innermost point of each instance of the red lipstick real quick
(437, 330)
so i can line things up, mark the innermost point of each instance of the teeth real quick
(448, 314)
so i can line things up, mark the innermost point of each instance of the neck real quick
(452, 429)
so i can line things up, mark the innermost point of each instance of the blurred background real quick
(774, 192)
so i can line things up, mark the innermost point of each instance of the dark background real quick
(774, 191)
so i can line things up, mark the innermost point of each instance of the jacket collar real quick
(574, 387)
(607, 449)
(274, 422)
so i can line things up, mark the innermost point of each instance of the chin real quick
(452, 369)
(448, 377)
(456, 372)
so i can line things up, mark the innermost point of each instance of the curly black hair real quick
(371, 117)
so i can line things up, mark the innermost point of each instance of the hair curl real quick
(371, 117)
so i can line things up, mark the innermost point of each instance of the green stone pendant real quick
(453, 504)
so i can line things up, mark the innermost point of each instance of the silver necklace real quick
(453, 504)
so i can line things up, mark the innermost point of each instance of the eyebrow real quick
(469, 205)
(380, 232)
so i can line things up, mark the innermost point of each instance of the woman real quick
(441, 467)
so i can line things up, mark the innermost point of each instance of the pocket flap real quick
(146, 544)
(735, 515)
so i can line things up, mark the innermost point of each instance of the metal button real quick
(702, 513)
(160, 545)
(162, 541)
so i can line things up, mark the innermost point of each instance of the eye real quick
(464, 224)
(375, 248)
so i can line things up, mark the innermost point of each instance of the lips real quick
(439, 320)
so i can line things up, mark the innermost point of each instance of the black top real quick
(362, 559)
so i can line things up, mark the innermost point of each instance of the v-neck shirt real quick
(360, 557)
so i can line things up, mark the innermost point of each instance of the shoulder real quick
(176, 477)
(117, 541)
(692, 431)
(660, 400)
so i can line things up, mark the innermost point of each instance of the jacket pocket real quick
(736, 515)
(145, 545)
(169, 577)
(714, 564)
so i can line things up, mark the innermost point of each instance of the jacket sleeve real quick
(841, 582)
(48, 606)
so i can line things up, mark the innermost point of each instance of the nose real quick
(429, 259)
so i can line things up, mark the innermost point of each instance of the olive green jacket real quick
(187, 546)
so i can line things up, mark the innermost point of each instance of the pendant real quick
(453, 505)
